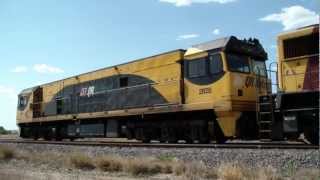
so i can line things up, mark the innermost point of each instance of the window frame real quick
(123, 82)
(221, 64)
(22, 101)
(253, 68)
(205, 69)
(232, 70)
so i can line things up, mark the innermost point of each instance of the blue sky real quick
(42, 41)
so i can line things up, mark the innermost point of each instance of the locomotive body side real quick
(76, 95)
(105, 93)
(205, 93)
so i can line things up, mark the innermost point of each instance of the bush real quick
(143, 167)
(81, 161)
(165, 157)
(3, 131)
(230, 172)
(111, 164)
(6, 153)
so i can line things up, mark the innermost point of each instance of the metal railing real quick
(268, 83)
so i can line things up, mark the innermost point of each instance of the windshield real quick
(238, 63)
(259, 68)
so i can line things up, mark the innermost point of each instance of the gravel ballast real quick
(277, 158)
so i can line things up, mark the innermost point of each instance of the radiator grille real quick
(301, 46)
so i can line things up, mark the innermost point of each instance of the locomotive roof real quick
(28, 90)
(214, 44)
(300, 29)
(250, 47)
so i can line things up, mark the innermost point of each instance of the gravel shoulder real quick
(285, 161)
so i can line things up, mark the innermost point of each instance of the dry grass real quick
(110, 163)
(6, 153)
(230, 171)
(194, 171)
(152, 166)
(307, 174)
(81, 161)
(268, 173)
(139, 167)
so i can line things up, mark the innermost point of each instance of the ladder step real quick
(265, 131)
(265, 122)
(265, 103)
(265, 112)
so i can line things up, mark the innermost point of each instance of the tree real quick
(3, 130)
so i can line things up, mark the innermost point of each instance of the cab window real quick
(238, 63)
(215, 64)
(22, 101)
(259, 68)
(197, 68)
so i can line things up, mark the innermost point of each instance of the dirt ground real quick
(16, 174)
(9, 136)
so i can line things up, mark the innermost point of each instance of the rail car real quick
(216, 90)
(207, 92)
(294, 109)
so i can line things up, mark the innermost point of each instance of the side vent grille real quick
(301, 46)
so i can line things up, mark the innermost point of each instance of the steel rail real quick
(263, 145)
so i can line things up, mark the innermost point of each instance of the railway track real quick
(232, 145)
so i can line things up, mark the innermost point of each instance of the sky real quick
(43, 41)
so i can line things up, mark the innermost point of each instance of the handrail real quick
(276, 75)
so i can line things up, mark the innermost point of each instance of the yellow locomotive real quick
(294, 110)
(207, 92)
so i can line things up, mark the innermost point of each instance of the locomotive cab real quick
(24, 109)
(226, 76)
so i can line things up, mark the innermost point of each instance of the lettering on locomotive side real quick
(87, 91)
(254, 82)
(205, 91)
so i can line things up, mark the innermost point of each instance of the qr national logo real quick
(87, 91)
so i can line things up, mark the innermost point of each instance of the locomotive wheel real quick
(203, 135)
(311, 134)
(189, 141)
(146, 140)
(35, 135)
(141, 134)
(221, 140)
(311, 131)
(220, 137)
(168, 134)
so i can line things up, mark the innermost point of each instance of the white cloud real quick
(216, 31)
(187, 36)
(180, 3)
(8, 92)
(293, 17)
(44, 68)
(20, 69)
